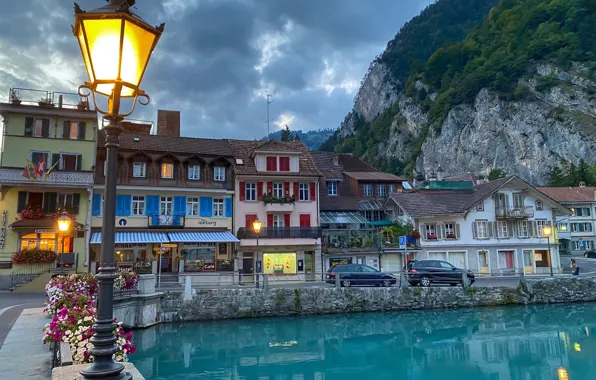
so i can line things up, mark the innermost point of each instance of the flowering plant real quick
(34, 256)
(415, 234)
(126, 280)
(70, 291)
(58, 214)
(31, 214)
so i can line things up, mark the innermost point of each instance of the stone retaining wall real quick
(249, 302)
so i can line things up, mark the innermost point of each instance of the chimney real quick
(335, 160)
(168, 123)
(440, 173)
(138, 128)
(480, 180)
(432, 177)
(582, 184)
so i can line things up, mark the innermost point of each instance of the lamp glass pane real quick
(85, 53)
(103, 37)
(135, 52)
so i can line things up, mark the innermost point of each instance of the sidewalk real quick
(23, 355)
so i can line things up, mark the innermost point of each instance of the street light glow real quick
(64, 222)
(547, 231)
(256, 226)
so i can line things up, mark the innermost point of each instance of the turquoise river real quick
(513, 343)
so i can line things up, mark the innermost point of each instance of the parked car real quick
(591, 254)
(427, 272)
(358, 274)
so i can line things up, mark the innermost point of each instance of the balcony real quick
(281, 233)
(345, 241)
(514, 212)
(166, 221)
(279, 207)
(15, 177)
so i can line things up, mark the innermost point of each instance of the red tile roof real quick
(374, 176)
(570, 194)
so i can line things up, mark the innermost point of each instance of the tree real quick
(556, 178)
(496, 174)
(286, 134)
(584, 173)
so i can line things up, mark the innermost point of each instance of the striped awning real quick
(342, 218)
(202, 237)
(133, 237)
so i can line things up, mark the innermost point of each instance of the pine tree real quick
(286, 134)
(496, 174)
(584, 173)
(556, 178)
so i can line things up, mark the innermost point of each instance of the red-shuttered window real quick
(286, 189)
(295, 190)
(313, 193)
(284, 164)
(249, 219)
(271, 164)
(269, 220)
(286, 220)
(304, 220)
(259, 191)
(269, 188)
(242, 191)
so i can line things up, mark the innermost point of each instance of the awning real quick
(133, 237)
(202, 237)
(370, 205)
(342, 218)
(381, 223)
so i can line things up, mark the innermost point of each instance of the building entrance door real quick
(247, 268)
(309, 266)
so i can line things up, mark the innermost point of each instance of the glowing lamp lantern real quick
(256, 226)
(63, 222)
(116, 45)
(547, 231)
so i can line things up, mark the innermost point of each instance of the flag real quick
(41, 166)
(29, 171)
(52, 168)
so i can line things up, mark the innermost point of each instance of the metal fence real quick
(123, 293)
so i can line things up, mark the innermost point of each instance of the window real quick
(450, 231)
(139, 169)
(218, 207)
(37, 155)
(430, 231)
(284, 164)
(37, 128)
(192, 206)
(589, 244)
(278, 220)
(278, 190)
(166, 206)
(367, 190)
(167, 170)
(583, 211)
(219, 173)
(518, 200)
(563, 227)
(303, 191)
(138, 205)
(381, 190)
(480, 206)
(481, 227)
(540, 224)
(523, 229)
(194, 172)
(391, 188)
(506, 259)
(74, 130)
(581, 227)
(251, 191)
(445, 265)
(502, 230)
(68, 202)
(373, 216)
(367, 269)
(41, 241)
(332, 188)
(271, 164)
(68, 162)
(539, 205)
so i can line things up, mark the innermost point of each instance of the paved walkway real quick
(23, 355)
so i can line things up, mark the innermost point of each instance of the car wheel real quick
(425, 281)
(585, 255)
(387, 283)
(414, 283)
(346, 283)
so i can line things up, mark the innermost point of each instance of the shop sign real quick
(333, 261)
(131, 245)
(46, 231)
(3, 230)
(207, 222)
(209, 267)
(169, 245)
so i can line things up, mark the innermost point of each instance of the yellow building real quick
(46, 168)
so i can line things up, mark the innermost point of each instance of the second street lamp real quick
(256, 226)
(116, 45)
(547, 232)
(63, 227)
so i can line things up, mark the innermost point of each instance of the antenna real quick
(268, 119)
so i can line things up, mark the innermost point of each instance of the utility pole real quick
(268, 119)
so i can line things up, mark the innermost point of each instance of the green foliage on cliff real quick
(312, 139)
(568, 174)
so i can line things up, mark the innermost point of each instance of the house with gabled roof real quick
(496, 227)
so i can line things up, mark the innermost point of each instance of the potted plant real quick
(431, 236)
(31, 214)
(451, 235)
(46, 102)
(415, 234)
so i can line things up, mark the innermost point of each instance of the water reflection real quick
(519, 343)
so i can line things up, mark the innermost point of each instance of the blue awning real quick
(133, 237)
(202, 237)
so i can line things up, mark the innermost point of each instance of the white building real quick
(491, 228)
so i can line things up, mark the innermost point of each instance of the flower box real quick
(34, 256)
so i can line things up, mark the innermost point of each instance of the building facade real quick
(494, 228)
(174, 201)
(46, 168)
(278, 184)
(577, 232)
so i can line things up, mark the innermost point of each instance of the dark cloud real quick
(218, 58)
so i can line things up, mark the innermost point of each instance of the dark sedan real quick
(358, 274)
(427, 272)
(590, 254)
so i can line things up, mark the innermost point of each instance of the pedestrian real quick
(574, 268)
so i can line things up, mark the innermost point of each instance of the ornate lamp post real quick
(256, 226)
(116, 45)
(63, 227)
(547, 231)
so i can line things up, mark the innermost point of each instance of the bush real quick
(34, 256)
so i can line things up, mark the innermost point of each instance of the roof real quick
(344, 201)
(342, 218)
(352, 163)
(370, 205)
(174, 144)
(276, 146)
(324, 162)
(462, 177)
(570, 194)
(244, 149)
(44, 223)
(373, 176)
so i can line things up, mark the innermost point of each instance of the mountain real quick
(312, 139)
(476, 85)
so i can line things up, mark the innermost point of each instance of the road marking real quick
(10, 307)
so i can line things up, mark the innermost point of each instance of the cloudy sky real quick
(217, 59)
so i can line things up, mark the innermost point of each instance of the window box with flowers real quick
(31, 214)
(268, 199)
(431, 236)
(451, 236)
(34, 256)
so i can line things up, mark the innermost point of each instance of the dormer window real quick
(284, 164)
(167, 170)
(271, 164)
(139, 169)
(219, 173)
(539, 205)
(332, 188)
(194, 172)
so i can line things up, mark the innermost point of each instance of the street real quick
(586, 266)
(11, 305)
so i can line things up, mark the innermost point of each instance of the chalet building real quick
(278, 184)
(352, 195)
(492, 228)
(175, 201)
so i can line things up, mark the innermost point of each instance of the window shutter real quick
(82, 130)
(491, 229)
(269, 220)
(286, 220)
(66, 130)
(511, 229)
(22, 201)
(79, 161)
(180, 206)
(474, 230)
(96, 206)
(206, 207)
(249, 218)
(440, 228)
(269, 188)
(457, 236)
(260, 191)
(76, 201)
(45, 128)
(242, 191)
(532, 229)
(286, 189)
(296, 190)
(313, 195)
(120, 205)
(55, 158)
(422, 232)
(29, 127)
(152, 205)
(304, 220)
(49, 202)
(228, 207)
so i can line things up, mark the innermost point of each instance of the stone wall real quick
(249, 302)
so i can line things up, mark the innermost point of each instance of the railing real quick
(208, 266)
(515, 212)
(393, 242)
(48, 99)
(122, 293)
(166, 221)
(349, 240)
(281, 233)
(55, 178)
(27, 274)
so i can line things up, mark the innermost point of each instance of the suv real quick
(427, 272)
(358, 274)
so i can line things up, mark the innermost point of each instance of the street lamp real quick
(547, 232)
(256, 226)
(63, 226)
(116, 45)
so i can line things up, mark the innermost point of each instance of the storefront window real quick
(279, 263)
(28, 241)
(199, 251)
(47, 241)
